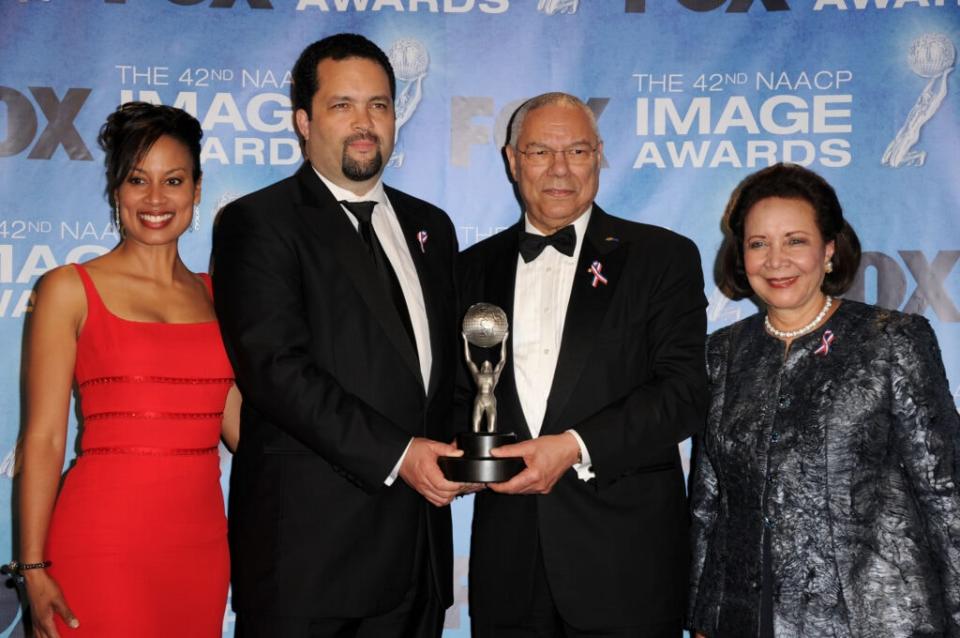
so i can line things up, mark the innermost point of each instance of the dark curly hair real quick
(789, 181)
(132, 129)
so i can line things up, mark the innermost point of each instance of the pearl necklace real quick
(790, 334)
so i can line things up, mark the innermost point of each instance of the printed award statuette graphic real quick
(932, 56)
(410, 60)
(484, 326)
(552, 7)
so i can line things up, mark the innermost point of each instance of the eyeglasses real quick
(542, 156)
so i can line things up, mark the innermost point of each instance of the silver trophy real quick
(484, 326)
(409, 59)
(932, 56)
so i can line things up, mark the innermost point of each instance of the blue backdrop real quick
(691, 96)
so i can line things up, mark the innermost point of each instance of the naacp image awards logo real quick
(410, 60)
(931, 56)
(553, 7)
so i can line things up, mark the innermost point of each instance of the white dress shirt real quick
(540, 299)
(390, 235)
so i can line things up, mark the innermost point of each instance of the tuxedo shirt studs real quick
(545, 277)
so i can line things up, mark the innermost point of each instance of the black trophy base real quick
(476, 465)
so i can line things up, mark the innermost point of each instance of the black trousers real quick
(419, 614)
(545, 621)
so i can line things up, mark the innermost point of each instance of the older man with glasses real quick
(605, 377)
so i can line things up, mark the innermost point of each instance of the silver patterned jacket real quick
(846, 452)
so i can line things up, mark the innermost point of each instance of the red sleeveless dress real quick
(138, 537)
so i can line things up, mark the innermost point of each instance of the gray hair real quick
(548, 99)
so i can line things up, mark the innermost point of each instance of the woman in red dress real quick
(135, 543)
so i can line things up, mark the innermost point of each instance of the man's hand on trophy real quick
(470, 488)
(467, 488)
(547, 458)
(420, 471)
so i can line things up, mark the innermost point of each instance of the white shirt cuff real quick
(396, 468)
(584, 468)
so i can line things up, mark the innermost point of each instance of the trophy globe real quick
(931, 54)
(409, 59)
(485, 325)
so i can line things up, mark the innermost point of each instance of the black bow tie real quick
(564, 241)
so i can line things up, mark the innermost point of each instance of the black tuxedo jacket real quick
(332, 393)
(630, 379)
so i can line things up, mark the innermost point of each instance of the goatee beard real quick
(361, 170)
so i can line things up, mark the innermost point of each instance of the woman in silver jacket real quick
(825, 489)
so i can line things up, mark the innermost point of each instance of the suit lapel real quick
(586, 310)
(431, 302)
(500, 276)
(325, 216)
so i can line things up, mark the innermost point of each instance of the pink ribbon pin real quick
(825, 342)
(598, 278)
(422, 238)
